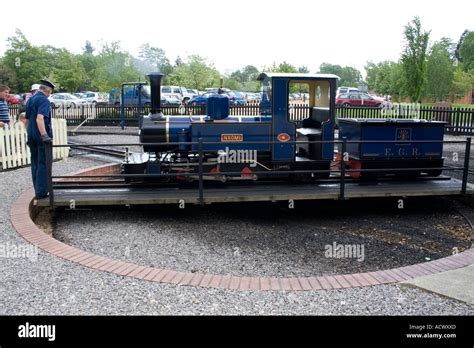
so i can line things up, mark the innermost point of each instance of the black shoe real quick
(42, 197)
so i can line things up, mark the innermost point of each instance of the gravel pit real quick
(268, 239)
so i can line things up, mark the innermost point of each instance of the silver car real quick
(95, 97)
(66, 99)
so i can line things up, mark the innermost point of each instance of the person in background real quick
(4, 112)
(39, 131)
(24, 100)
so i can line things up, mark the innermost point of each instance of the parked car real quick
(13, 99)
(79, 95)
(358, 99)
(170, 101)
(253, 97)
(240, 96)
(193, 92)
(200, 100)
(344, 90)
(236, 98)
(94, 97)
(66, 99)
(180, 93)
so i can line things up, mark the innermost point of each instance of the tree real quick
(385, 78)
(114, 66)
(458, 46)
(349, 76)
(439, 70)
(283, 67)
(303, 69)
(196, 73)
(398, 81)
(462, 82)
(414, 58)
(379, 77)
(89, 64)
(178, 61)
(88, 49)
(156, 57)
(466, 51)
(232, 84)
(8, 76)
(29, 63)
(243, 79)
(68, 71)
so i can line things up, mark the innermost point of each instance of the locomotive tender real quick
(273, 145)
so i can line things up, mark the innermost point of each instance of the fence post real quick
(342, 185)
(201, 183)
(467, 154)
(48, 148)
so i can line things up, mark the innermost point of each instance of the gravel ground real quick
(51, 286)
(108, 139)
(263, 239)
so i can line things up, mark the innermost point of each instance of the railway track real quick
(100, 150)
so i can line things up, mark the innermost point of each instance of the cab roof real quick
(297, 76)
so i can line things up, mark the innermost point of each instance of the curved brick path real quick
(22, 214)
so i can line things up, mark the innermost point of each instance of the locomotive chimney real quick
(155, 87)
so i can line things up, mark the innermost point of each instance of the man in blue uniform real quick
(39, 130)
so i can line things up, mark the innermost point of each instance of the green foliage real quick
(282, 68)
(466, 51)
(156, 57)
(460, 42)
(386, 78)
(349, 76)
(29, 63)
(7, 76)
(68, 71)
(232, 84)
(439, 71)
(247, 74)
(113, 67)
(414, 58)
(88, 49)
(245, 79)
(303, 69)
(196, 73)
(461, 83)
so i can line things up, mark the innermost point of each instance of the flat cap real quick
(47, 83)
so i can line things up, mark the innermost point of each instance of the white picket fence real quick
(15, 153)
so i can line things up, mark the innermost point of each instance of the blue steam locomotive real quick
(274, 145)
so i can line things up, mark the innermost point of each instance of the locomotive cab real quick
(318, 122)
(315, 132)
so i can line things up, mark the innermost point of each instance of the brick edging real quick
(21, 218)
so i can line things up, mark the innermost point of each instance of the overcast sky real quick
(232, 34)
